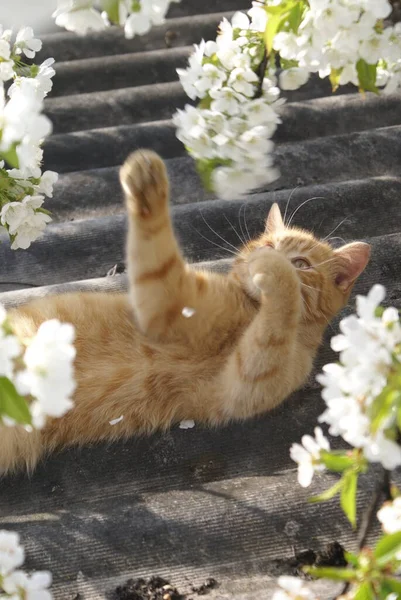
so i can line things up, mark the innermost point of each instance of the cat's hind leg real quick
(161, 283)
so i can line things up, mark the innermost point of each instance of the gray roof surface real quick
(195, 503)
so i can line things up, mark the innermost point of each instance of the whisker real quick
(243, 242)
(288, 202)
(324, 262)
(215, 232)
(328, 322)
(337, 237)
(239, 220)
(323, 315)
(301, 205)
(246, 226)
(309, 286)
(335, 229)
(214, 243)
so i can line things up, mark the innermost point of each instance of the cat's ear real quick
(351, 261)
(274, 221)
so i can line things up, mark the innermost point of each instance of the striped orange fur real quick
(250, 343)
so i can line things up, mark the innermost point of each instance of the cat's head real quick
(327, 275)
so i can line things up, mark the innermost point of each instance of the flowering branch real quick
(36, 375)
(363, 405)
(229, 132)
(136, 16)
(23, 128)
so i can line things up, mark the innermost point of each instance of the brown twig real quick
(261, 74)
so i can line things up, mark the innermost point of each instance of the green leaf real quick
(331, 573)
(393, 584)
(11, 157)
(288, 64)
(337, 462)
(111, 7)
(205, 169)
(364, 592)
(387, 547)
(272, 25)
(135, 6)
(335, 78)
(366, 76)
(348, 495)
(352, 559)
(295, 16)
(12, 404)
(328, 494)
(381, 407)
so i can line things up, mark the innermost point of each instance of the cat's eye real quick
(300, 263)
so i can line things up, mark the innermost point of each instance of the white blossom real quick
(78, 16)
(6, 64)
(292, 588)
(380, 9)
(12, 554)
(383, 450)
(10, 348)
(24, 221)
(258, 17)
(259, 112)
(16, 583)
(138, 23)
(27, 43)
(308, 456)
(34, 587)
(137, 18)
(48, 375)
(366, 344)
(243, 80)
(47, 181)
(226, 100)
(293, 78)
(390, 516)
(212, 78)
(371, 50)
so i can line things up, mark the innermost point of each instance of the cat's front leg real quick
(161, 284)
(262, 368)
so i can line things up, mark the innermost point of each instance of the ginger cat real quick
(250, 343)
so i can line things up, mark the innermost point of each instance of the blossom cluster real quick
(355, 390)
(15, 583)
(344, 40)
(229, 132)
(361, 391)
(136, 16)
(233, 79)
(40, 369)
(23, 128)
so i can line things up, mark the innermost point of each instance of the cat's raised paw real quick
(144, 180)
(270, 271)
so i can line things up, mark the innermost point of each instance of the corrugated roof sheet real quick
(194, 503)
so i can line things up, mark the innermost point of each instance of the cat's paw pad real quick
(144, 180)
(269, 269)
(264, 282)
